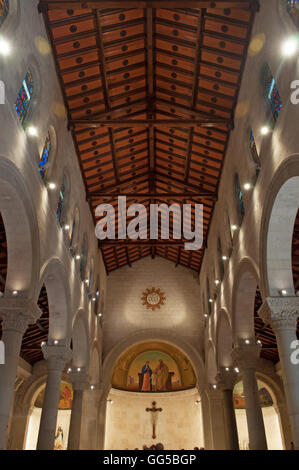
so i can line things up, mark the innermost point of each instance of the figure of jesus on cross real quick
(154, 414)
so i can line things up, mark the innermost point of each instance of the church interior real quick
(127, 343)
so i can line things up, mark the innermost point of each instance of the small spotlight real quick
(14, 292)
(265, 130)
(4, 47)
(43, 343)
(32, 131)
(92, 387)
(224, 258)
(247, 341)
(289, 47)
(237, 370)
(259, 342)
(78, 257)
(206, 315)
(94, 299)
(247, 186)
(51, 185)
(210, 300)
(66, 227)
(86, 281)
(56, 341)
(78, 369)
(227, 369)
(217, 282)
(284, 292)
(214, 386)
(100, 315)
(69, 370)
(234, 227)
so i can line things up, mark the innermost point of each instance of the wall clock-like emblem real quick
(153, 298)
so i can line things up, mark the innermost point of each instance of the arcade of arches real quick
(117, 344)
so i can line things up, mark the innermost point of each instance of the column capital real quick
(280, 312)
(246, 356)
(79, 380)
(18, 313)
(226, 378)
(56, 356)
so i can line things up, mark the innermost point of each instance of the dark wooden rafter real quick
(150, 89)
(116, 4)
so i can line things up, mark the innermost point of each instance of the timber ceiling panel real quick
(150, 91)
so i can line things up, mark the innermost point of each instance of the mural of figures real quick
(58, 445)
(146, 377)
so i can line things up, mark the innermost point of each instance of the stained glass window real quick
(60, 203)
(45, 156)
(254, 153)
(24, 97)
(293, 10)
(240, 202)
(75, 231)
(4, 9)
(220, 260)
(83, 259)
(271, 94)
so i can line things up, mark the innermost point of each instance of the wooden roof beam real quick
(134, 123)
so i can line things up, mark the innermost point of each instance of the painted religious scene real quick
(153, 367)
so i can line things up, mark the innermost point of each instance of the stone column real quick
(216, 418)
(91, 427)
(226, 379)
(80, 383)
(245, 357)
(56, 356)
(16, 314)
(282, 313)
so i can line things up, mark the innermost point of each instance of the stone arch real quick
(21, 227)
(54, 277)
(244, 290)
(211, 364)
(80, 341)
(224, 340)
(279, 214)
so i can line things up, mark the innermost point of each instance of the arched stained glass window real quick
(24, 96)
(4, 9)
(271, 95)
(43, 164)
(60, 204)
(254, 154)
(83, 259)
(240, 202)
(229, 227)
(293, 10)
(220, 260)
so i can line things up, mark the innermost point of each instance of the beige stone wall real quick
(179, 425)
(125, 314)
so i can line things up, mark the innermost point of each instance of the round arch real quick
(21, 229)
(276, 233)
(224, 340)
(54, 277)
(244, 291)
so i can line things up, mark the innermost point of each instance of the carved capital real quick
(280, 312)
(56, 356)
(79, 380)
(17, 314)
(246, 356)
(226, 379)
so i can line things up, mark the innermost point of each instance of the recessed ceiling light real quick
(265, 130)
(247, 186)
(51, 185)
(32, 131)
(4, 47)
(289, 47)
(66, 227)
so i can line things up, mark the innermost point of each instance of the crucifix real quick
(154, 413)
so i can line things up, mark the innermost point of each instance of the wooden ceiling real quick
(150, 90)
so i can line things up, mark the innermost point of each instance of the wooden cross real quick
(153, 411)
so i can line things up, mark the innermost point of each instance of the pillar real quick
(282, 313)
(56, 356)
(80, 383)
(16, 314)
(245, 357)
(226, 379)
(217, 425)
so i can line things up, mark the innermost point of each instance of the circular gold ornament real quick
(153, 298)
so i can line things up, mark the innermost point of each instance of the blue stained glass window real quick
(293, 10)
(24, 97)
(45, 156)
(272, 96)
(60, 203)
(4, 9)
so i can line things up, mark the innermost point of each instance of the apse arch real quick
(244, 289)
(53, 275)
(278, 218)
(21, 227)
(224, 340)
(80, 341)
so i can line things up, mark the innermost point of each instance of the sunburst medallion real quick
(153, 298)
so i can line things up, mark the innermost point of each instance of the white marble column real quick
(282, 314)
(226, 379)
(56, 356)
(217, 424)
(245, 357)
(16, 314)
(80, 383)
